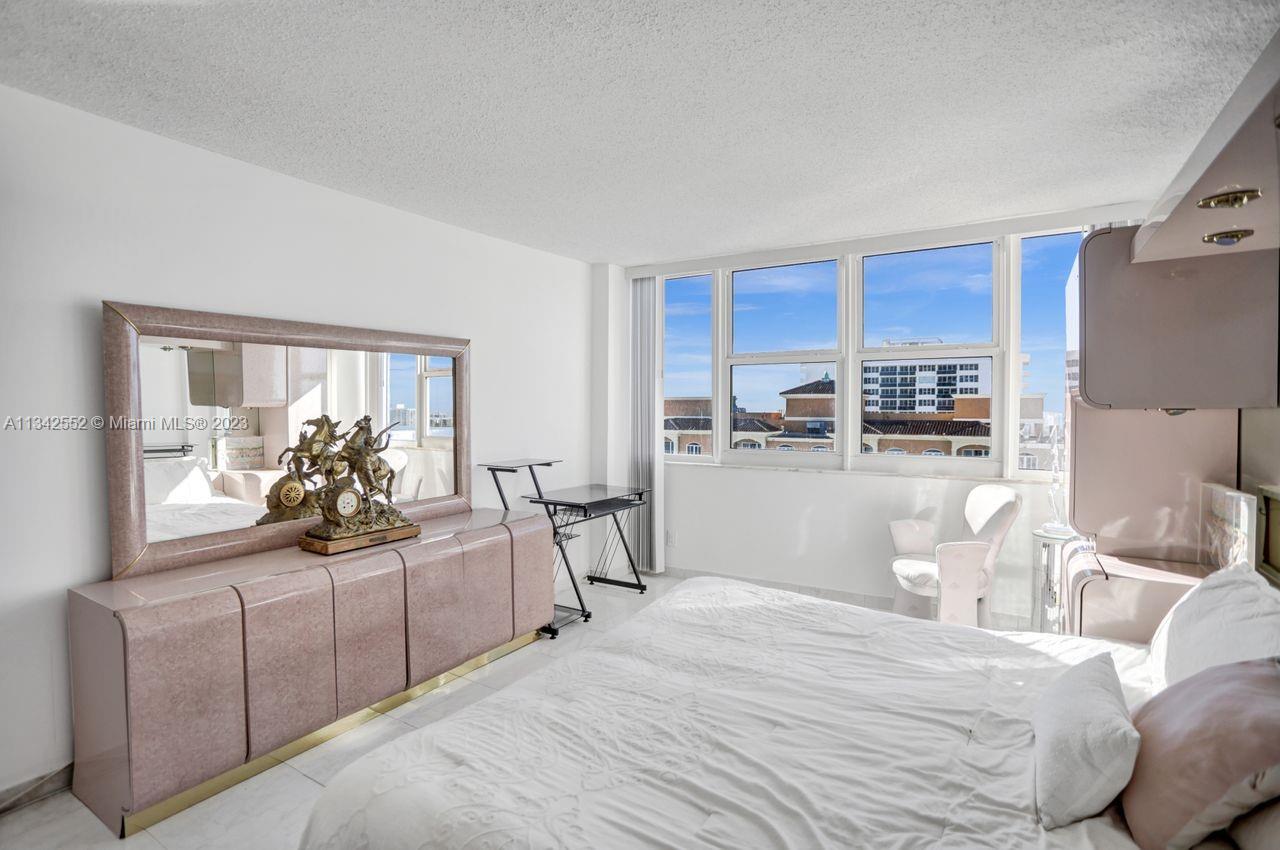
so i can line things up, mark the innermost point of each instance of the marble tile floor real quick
(269, 811)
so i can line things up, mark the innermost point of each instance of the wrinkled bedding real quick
(729, 715)
(172, 520)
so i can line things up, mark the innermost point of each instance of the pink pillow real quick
(1209, 752)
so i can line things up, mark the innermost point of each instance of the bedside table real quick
(1046, 578)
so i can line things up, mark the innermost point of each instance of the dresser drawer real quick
(184, 665)
(369, 629)
(289, 657)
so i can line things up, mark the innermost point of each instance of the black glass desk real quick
(569, 508)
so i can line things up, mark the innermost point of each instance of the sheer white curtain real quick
(645, 467)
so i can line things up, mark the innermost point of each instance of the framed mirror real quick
(202, 409)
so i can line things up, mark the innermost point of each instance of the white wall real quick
(827, 529)
(92, 210)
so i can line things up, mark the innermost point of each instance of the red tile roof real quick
(927, 427)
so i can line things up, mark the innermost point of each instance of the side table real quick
(1046, 577)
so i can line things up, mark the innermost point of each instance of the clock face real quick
(291, 494)
(347, 502)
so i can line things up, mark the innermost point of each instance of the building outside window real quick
(919, 302)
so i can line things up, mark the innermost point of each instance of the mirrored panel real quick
(220, 422)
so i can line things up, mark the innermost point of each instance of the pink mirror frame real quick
(123, 324)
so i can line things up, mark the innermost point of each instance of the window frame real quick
(726, 359)
(1013, 410)
(660, 280)
(997, 349)
(1005, 238)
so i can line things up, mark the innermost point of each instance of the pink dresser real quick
(181, 675)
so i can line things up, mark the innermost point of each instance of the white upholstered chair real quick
(958, 574)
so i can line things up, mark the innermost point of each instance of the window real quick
(402, 398)
(1047, 264)
(419, 400)
(785, 403)
(668, 446)
(693, 449)
(939, 296)
(437, 398)
(953, 353)
(687, 366)
(785, 308)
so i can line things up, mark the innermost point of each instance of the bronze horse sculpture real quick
(362, 455)
(315, 452)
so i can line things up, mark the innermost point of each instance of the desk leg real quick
(568, 568)
(498, 484)
(565, 614)
(634, 585)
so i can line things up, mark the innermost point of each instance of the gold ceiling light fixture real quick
(1227, 238)
(1234, 199)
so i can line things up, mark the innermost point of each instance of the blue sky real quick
(686, 350)
(404, 370)
(942, 293)
(1046, 264)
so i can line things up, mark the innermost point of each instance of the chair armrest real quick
(912, 536)
(961, 575)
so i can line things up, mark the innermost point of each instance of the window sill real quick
(870, 473)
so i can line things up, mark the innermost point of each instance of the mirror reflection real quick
(216, 417)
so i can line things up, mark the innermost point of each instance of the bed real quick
(731, 715)
(183, 501)
(172, 520)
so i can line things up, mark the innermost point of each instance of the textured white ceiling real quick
(635, 131)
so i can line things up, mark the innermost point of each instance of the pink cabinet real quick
(186, 707)
(369, 629)
(532, 573)
(288, 657)
(458, 594)
(181, 675)
(435, 601)
(1195, 332)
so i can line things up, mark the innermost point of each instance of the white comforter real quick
(733, 716)
(172, 520)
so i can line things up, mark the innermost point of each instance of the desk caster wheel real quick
(586, 618)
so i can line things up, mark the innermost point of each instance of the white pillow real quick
(1085, 743)
(171, 480)
(1233, 615)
